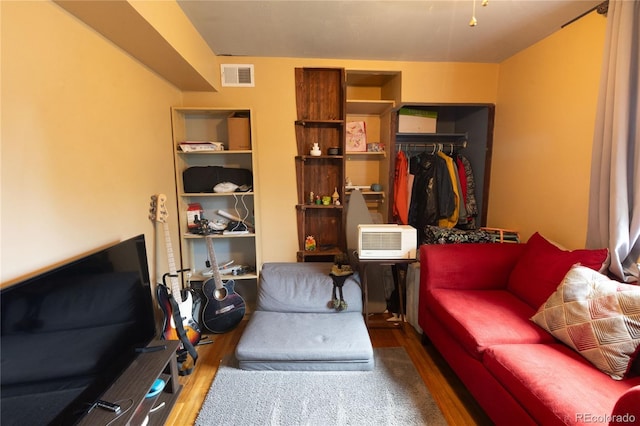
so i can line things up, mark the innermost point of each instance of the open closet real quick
(442, 178)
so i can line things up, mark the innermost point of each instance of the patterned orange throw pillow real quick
(597, 317)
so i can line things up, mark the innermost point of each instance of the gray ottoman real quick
(294, 329)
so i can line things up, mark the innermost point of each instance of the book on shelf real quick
(194, 146)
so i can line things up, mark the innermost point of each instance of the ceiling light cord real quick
(473, 22)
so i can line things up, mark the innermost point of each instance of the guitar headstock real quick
(158, 211)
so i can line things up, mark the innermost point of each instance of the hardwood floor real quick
(457, 406)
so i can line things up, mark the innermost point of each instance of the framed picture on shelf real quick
(356, 140)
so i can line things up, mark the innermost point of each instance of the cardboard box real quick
(239, 132)
(417, 121)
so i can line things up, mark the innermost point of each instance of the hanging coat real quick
(432, 196)
(400, 190)
(471, 204)
(451, 219)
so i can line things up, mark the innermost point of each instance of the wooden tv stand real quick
(131, 388)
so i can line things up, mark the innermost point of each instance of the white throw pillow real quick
(597, 317)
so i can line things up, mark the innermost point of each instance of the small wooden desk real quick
(400, 268)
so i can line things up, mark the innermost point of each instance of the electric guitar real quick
(224, 308)
(184, 298)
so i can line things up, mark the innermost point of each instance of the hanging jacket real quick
(471, 204)
(400, 190)
(432, 196)
(451, 219)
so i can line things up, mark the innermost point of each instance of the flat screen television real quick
(67, 334)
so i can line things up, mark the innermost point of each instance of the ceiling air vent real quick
(237, 75)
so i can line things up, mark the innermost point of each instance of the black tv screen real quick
(68, 333)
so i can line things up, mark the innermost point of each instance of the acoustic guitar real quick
(224, 308)
(184, 298)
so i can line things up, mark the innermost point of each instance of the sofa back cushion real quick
(467, 266)
(543, 265)
(304, 287)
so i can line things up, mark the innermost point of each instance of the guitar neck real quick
(214, 263)
(173, 272)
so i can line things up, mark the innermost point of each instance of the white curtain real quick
(614, 204)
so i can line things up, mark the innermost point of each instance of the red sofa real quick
(477, 315)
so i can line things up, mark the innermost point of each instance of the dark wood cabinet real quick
(320, 106)
(131, 388)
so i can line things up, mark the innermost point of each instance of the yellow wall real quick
(86, 140)
(86, 136)
(545, 118)
(273, 102)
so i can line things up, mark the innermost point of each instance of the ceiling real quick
(396, 30)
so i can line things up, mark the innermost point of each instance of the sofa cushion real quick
(555, 384)
(595, 316)
(543, 265)
(481, 318)
(305, 341)
(468, 266)
(303, 287)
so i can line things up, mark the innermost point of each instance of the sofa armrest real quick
(627, 409)
(467, 266)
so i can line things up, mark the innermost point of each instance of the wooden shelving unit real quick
(326, 99)
(320, 104)
(211, 124)
(371, 98)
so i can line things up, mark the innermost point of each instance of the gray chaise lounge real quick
(293, 328)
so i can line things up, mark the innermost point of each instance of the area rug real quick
(392, 394)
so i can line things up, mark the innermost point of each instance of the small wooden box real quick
(239, 132)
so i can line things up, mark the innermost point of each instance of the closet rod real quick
(438, 145)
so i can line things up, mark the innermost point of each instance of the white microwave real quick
(387, 241)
